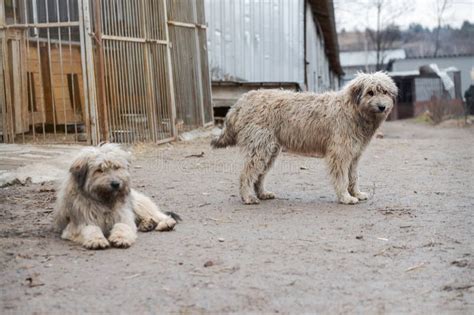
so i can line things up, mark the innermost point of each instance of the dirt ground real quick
(409, 249)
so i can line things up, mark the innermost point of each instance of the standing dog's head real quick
(373, 94)
(102, 173)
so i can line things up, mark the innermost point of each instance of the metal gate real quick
(102, 70)
(187, 31)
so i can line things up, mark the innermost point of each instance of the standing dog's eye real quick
(371, 93)
(99, 171)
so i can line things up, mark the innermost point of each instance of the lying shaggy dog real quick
(336, 125)
(96, 206)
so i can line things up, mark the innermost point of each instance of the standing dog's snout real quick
(115, 185)
(381, 108)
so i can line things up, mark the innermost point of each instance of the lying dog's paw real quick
(147, 225)
(361, 196)
(348, 200)
(121, 241)
(166, 225)
(96, 243)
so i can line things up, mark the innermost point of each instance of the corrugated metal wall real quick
(256, 41)
(320, 77)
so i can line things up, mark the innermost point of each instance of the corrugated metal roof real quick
(323, 10)
(362, 58)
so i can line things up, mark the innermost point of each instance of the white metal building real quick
(464, 63)
(366, 61)
(272, 43)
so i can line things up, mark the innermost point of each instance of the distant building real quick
(427, 89)
(271, 43)
(464, 63)
(366, 61)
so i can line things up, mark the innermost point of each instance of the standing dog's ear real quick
(79, 169)
(355, 92)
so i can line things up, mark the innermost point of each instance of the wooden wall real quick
(52, 91)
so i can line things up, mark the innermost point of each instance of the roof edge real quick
(323, 14)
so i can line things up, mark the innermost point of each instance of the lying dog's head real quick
(373, 94)
(102, 173)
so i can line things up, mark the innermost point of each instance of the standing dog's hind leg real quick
(254, 167)
(262, 194)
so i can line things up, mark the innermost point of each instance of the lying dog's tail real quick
(174, 215)
(228, 136)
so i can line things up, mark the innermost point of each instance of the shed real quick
(463, 62)
(426, 89)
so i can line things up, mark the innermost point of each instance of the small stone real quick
(221, 239)
(208, 263)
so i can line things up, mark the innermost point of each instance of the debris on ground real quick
(33, 281)
(200, 155)
(208, 263)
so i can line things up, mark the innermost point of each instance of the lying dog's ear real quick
(79, 169)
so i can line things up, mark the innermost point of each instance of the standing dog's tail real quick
(228, 136)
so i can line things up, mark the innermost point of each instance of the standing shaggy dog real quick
(96, 206)
(335, 125)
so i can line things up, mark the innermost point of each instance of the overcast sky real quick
(350, 14)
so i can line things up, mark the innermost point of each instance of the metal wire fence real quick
(102, 70)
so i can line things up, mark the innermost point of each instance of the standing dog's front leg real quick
(353, 181)
(124, 232)
(339, 169)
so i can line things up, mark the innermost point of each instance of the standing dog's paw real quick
(166, 225)
(361, 195)
(250, 200)
(266, 195)
(348, 200)
(96, 243)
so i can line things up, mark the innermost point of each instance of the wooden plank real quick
(17, 87)
(3, 106)
(46, 88)
(9, 133)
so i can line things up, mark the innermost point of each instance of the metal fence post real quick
(102, 103)
(3, 100)
(174, 132)
(197, 64)
(90, 94)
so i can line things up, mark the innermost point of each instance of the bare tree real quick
(386, 32)
(441, 6)
(383, 35)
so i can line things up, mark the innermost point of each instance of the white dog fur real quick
(96, 206)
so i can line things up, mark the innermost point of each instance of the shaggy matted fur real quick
(335, 125)
(96, 206)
